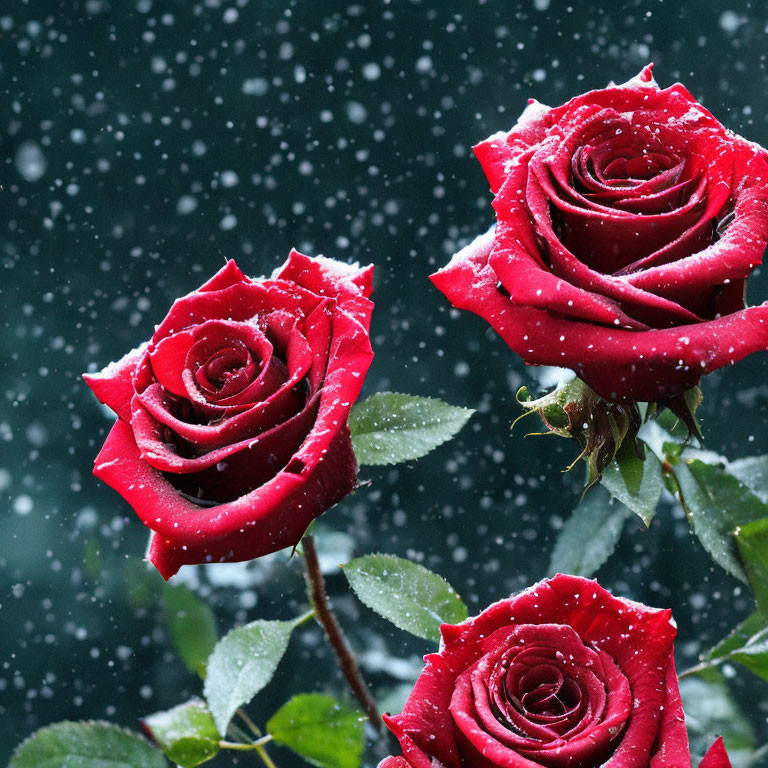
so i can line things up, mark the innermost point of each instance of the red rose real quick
(232, 433)
(628, 221)
(563, 675)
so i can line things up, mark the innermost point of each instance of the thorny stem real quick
(328, 621)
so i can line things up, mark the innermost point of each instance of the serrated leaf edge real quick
(459, 410)
(428, 571)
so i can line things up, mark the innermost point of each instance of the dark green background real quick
(140, 104)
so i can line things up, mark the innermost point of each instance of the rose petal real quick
(586, 741)
(671, 749)
(618, 364)
(267, 519)
(716, 757)
(498, 152)
(245, 420)
(530, 286)
(247, 424)
(351, 285)
(563, 263)
(239, 302)
(227, 276)
(113, 386)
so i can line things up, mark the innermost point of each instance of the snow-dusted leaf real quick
(389, 427)
(716, 504)
(589, 536)
(241, 664)
(186, 734)
(635, 483)
(86, 745)
(409, 595)
(746, 644)
(753, 472)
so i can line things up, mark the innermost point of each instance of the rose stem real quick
(327, 620)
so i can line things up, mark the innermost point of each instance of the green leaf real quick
(241, 664)
(684, 406)
(388, 427)
(589, 536)
(733, 500)
(86, 745)
(321, 730)
(747, 644)
(752, 541)
(717, 504)
(754, 654)
(753, 472)
(738, 637)
(192, 627)
(710, 712)
(635, 483)
(412, 597)
(186, 734)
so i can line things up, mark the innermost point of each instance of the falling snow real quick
(144, 143)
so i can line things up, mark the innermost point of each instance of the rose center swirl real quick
(234, 361)
(543, 693)
(539, 694)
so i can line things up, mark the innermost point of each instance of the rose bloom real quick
(628, 221)
(232, 430)
(563, 675)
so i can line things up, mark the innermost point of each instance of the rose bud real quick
(627, 223)
(563, 675)
(232, 431)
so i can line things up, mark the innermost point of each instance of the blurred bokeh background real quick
(142, 142)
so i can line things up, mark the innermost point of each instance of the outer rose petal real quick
(227, 276)
(238, 302)
(327, 277)
(498, 151)
(716, 756)
(349, 284)
(269, 518)
(673, 750)
(113, 386)
(617, 364)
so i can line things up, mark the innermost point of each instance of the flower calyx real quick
(601, 427)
